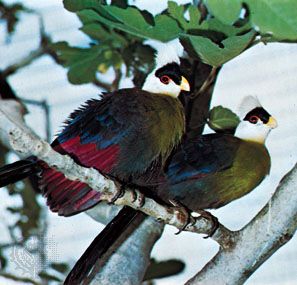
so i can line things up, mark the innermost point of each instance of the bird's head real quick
(256, 122)
(167, 77)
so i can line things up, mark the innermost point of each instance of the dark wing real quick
(111, 135)
(202, 156)
(92, 137)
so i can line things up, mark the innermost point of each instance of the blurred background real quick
(267, 71)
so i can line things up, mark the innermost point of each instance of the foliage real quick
(214, 32)
(161, 269)
(275, 19)
(228, 28)
(222, 119)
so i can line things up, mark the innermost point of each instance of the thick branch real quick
(24, 141)
(129, 263)
(274, 226)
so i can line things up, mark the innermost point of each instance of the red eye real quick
(165, 79)
(253, 119)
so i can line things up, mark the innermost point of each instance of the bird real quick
(212, 170)
(126, 135)
(206, 172)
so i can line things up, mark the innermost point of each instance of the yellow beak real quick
(272, 123)
(185, 86)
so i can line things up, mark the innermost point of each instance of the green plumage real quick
(155, 124)
(214, 170)
(134, 132)
(242, 177)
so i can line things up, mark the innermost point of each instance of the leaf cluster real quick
(214, 32)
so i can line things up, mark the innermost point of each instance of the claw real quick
(134, 195)
(120, 193)
(214, 220)
(139, 197)
(190, 220)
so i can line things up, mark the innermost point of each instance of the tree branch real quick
(23, 140)
(273, 227)
(241, 252)
(129, 263)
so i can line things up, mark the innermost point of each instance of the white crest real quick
(247, 130)
(247, 104)
(166, 53)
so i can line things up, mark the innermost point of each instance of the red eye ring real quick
(165, 79)
(253, 119)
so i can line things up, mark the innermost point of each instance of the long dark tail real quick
(19, 170)
(107, 242)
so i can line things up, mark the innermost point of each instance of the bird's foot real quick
(189, 220)
(136, 196)
(119, 193)
(214, 220)
(139, 197)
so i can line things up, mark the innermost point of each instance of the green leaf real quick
(133, 21)
(226, 11)
(83, 63)
(120, 3)
(213, 41)
(192, 25)
(161, 269)
(178, 13)
(278, 18)
(60, 267)
(101, 34)
(213, 54)
(221, 119)
(77, 5)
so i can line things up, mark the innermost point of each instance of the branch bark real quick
(241, 252)
(129, 263)
(273, 227)
(23, 140)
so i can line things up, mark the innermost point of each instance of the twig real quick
(46, 108)
(117, 79)
(23, 62)
(208, 82)
(107, 87)
(33, 55)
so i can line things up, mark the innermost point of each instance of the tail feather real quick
(18, 170)
(107, 242)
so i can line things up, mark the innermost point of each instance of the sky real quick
(267, 71)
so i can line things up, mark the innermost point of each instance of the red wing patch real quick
(65, 196)
(90, 156)
(69, 197)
